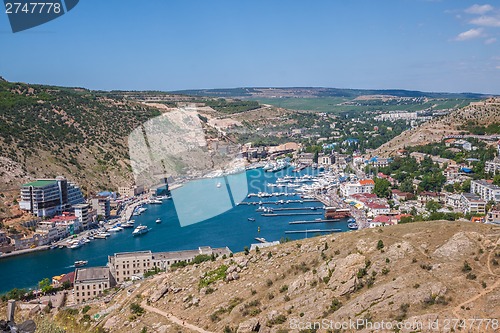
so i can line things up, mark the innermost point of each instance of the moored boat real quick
(140, 230)
(353, 226)
(158, 220)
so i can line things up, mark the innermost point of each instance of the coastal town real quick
(366, 189)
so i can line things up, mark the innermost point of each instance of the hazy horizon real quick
(422, 45)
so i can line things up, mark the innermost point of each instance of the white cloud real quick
(469, 34)
(490, 41)
(486, 21)
(479, 9)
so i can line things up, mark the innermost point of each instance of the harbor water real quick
(236, 228)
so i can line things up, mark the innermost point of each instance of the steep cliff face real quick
(422, 273)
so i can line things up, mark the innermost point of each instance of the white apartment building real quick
(361, 186)
(485, 190)
(472, 203)
(82, 213)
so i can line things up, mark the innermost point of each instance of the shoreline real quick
(25, 251)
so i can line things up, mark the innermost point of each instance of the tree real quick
(45, 286)
(432, 206)
(406, 185)
(496, 180)
(380, 245)
(466, 186)
(382, 188)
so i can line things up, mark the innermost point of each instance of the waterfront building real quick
(485, 190)
(128, 265)
(130, 191)
(68, 221)
(102, 206)
(82, 213)
(361, 186)
(48, 197)
(91, 282)
(327, 159)
(49, 232)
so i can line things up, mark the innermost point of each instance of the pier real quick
(313, 221)
(289, 214)
(299, 208)
(311, 231)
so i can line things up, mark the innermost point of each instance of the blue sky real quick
(451, 46)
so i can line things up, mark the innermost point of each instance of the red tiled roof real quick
(382, 219)
(366, 182)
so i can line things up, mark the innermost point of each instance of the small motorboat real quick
(353, 226)
(158, 220)
(81, 263)
(251, 219)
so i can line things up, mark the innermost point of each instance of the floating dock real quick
(314, 221)
(299, 208)
(288, 214)
(311, 231)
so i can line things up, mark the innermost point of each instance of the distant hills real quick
(318, 92)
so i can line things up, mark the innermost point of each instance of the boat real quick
(115, 229)
(80, 263)
(74, 244)
(353, 226)
(155, 202)
(351, 220)
(102, 235)
(141, 229)
(251, 219)
(158, 220)
(127, 224)
(219, 185)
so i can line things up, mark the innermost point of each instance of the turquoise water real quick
(230, 228)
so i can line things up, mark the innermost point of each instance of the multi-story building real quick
(92, 281)
(361, 186)
(327, 159)
(82, 213)
(68, 221)
(48, 197)
(472, 203)
(485, 190)
(492, 166)
(127, 265)
(102, 205)
(49, 232)
(130, 191)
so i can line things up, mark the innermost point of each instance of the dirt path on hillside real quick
(174, 319)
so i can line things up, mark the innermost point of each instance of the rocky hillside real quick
(462, 121)
(419, 272)
(47, 131)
